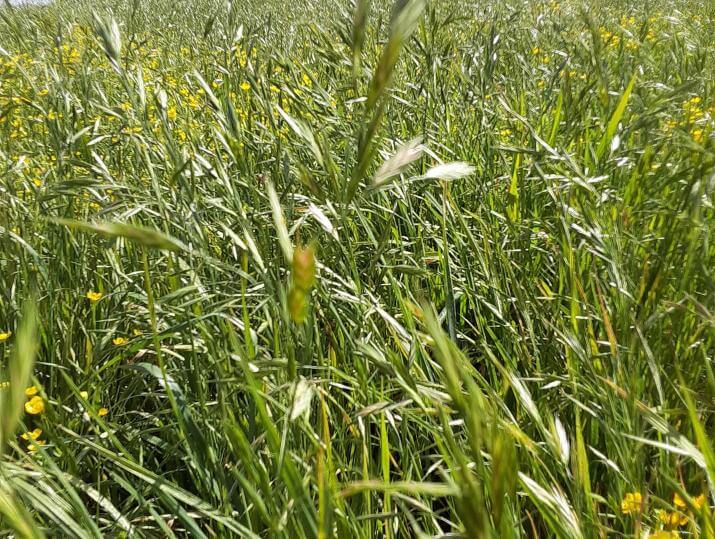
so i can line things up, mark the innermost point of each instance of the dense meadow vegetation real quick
(348, 269)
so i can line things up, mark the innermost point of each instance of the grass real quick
(327, 269)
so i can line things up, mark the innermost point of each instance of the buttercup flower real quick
(34, 446)
(102, 412)
(631, 503)
(35, 405)
(94, 296)
(5, 336)
(119, 341)
(31, 391)
(664, 534)
(32, 435)
(672, 519)
(698, 501)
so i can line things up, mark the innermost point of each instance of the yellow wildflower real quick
(698, 135)
(35, 405)
(245, 86)
(5, 336)
(94, 296)
(664, 534)
(31, 391)
(32, 435)
(672, 519)
(700, 501)
(34, 446)
(631, 503)
(102, 412)
(119, 341)
(84, 395)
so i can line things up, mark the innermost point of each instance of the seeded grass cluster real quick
(349, 269)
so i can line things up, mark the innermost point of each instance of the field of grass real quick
(334, 268)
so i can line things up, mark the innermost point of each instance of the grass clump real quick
(353, 269)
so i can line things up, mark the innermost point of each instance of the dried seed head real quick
(304, 268)
(297, 304)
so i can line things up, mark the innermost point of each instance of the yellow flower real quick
(698, 135)
(137, 332)
(672, 519)
(31, 391)
(34, 446)
(84, 395)
(32, 435)
(102, 412)
(119, 341)
(35, 405)
(631, 503)
(664, 534)
(94, 296)
(245, 86)
(698, 502)
(5, 336)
